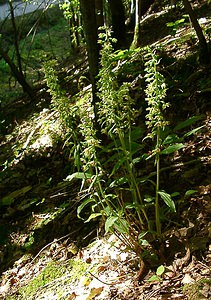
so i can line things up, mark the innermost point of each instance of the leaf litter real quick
(109, 270)
(109, 273)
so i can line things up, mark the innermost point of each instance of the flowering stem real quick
(157, 207)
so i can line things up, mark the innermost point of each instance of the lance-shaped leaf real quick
(110, 222)
(167, 199)
(173, 148)
(187, 122)
(83, 204)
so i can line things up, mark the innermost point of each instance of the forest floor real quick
(47, 252)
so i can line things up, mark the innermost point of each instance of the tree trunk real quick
(137, 32)
(130, 22)
(91, 37)
(16, 38)
(204, 56)
(118, 22)
(141, 7)
(17, 74)
(73, 25)
(99, 13)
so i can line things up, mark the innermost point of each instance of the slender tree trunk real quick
(73, 25)
(99, 13)
(118, 22)
(137, 32)
(141, 7)
(16, 70)
(130, 22)
(90, 30)
(17, 74)
(204, 56)
(16, 39)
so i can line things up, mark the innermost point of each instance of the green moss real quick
(68, 271)
(195, 291)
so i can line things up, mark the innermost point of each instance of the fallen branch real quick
(49, 244)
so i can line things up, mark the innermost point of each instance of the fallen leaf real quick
(86, 281)
(102, 268)
(88, 260)
(72, 296)
(94, 292)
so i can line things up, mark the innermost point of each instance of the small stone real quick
(187, 279)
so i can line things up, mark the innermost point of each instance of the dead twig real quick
(49, 244)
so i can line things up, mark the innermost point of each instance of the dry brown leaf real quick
(72, 296)
(94, 292)
(88, 260)
(102, 268)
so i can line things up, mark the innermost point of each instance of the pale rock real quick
(187, 279)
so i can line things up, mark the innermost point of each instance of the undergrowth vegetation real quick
(132, 169)
(136, 208)
(36, 45)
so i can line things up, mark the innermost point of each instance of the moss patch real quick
(198, 290)
(53, 273)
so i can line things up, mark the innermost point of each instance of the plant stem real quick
(157, 208)
(133, 183)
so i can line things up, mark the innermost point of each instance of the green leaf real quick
(190, 192)
(144, 243)
(187, 123)
(137, 133)
(148, 198)
(122, 226)
(83, 204)
(6, 201)
(160, 270)
(167, 199)
(141, 235)
(175, 194)
(193, 131)
(180, 21)
(9, 199)
(110, 222)
(134, 147)
(76, 156)
(170, 139)
(116, 167)
(93, 216)
(121, 54)
(119, 181)
(154, 278)
(78, 175)
(170, 24)
(172, 148)
(136, 160)
(129, 206)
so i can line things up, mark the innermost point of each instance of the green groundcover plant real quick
(111, 184)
